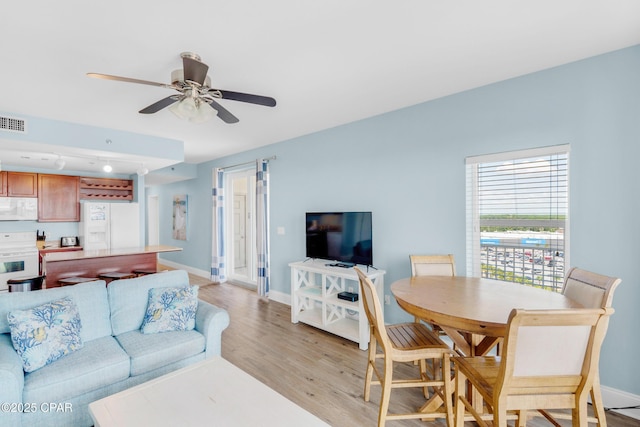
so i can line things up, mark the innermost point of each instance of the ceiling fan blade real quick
(194, 70)
(128, 80)
(223, 113)
(247, 97)
(157, 106)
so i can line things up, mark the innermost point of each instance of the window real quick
(517, 216)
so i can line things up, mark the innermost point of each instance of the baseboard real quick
(280, 297)
(614, 398)
(195, 271)
(273, 295)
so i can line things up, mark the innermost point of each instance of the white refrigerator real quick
(106, 225)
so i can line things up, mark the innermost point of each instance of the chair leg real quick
(460, 390)
(370, 368)
(579, 413)
(596, 402)
(500, 416)
(522, 418)
(447, 390)
(385, 396)
(424, 376)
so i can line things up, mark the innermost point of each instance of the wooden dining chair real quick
(406, 342)
(432, 265)
(549, 361)
(592, 290)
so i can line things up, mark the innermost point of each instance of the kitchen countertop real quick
(103, 253)
(48, 249)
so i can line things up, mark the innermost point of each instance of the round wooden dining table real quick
(472, 311)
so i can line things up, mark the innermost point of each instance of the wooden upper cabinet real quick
(3, 183)
(59, 198)
(106, 189)
(22, 184)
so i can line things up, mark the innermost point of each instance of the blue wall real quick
(407, 167)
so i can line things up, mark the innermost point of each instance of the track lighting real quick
(142, 170)
(106, 164)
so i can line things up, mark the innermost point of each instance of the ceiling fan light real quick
(59, 163)
(184, 109)
(204, 113)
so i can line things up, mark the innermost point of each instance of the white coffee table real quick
(209, 393)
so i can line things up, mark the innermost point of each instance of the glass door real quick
(241, 247)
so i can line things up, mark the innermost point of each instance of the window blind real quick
(517, 210)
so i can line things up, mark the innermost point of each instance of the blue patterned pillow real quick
(170, 309)
(45, 333)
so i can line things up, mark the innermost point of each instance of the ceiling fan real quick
(196, 100)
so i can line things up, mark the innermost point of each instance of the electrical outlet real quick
(387, 299)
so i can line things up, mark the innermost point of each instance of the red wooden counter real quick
(60, 265)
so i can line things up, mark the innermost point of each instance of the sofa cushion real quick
(151, 351)
(45, 333)
(100, 362)
(170, 309)
(91, 299)
(128, 298)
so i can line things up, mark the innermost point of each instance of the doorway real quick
(153, 226)
(241, 188)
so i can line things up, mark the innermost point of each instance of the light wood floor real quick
(316, 370)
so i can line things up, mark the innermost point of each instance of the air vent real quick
(11, 124)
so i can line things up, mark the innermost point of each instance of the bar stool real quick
(115, 275)
(144, 272)
(68, 281)
(25, 284)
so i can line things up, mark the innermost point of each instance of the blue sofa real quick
(115, 354)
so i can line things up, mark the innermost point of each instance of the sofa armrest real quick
(12, 380)
(211, 321)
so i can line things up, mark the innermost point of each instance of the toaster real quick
(69, 241)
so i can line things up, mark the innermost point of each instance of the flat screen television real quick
(340, 236)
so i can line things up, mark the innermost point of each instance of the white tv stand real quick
(314, 298)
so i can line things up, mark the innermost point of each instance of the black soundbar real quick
(348, 296)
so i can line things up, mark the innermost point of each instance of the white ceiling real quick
(326, 62)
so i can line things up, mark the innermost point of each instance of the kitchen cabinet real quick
(106, 189)
(22, 184)
(59, 198)
(3, 183)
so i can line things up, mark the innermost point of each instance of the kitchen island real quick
(61, 265)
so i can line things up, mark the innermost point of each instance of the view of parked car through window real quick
(539, 267)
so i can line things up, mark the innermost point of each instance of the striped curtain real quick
(262, 226)
(218, 269)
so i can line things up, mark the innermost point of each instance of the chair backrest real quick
(373, 309)
(551, 351)
(432, 265)
(592, 290)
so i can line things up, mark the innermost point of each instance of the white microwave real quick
(18, 208)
